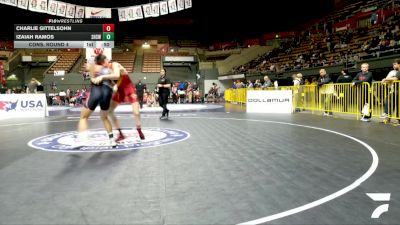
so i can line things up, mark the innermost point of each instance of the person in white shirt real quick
(297, 81)
(390, 99)
(267, 82)
(32, 86)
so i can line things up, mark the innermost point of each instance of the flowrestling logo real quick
(98, 140)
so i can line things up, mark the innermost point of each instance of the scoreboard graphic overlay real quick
(64, 36)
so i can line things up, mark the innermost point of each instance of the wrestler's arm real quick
(92, 71)
(115, 74)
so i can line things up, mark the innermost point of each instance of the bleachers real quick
(66, 61)
(6, 45)
(284, 59)
(126, 59)
(151, 62)
(175, 53)
(352, 9)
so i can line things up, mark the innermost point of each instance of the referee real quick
(163, 86)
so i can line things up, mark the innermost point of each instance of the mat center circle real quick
(98, 140)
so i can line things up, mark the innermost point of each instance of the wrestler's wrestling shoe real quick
(113, 143)
(82, 139)
(141, 135)
(120, 138)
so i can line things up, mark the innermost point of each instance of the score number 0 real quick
(108, 27)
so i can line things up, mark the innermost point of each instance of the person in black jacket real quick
(326, 89)
(364, 77)
(343, 78)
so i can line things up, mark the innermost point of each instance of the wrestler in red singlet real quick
(126, 90)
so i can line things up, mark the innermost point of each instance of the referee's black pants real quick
(163, 102)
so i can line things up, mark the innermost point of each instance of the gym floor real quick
(230, 168)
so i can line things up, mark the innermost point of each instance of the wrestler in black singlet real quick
(100, 94)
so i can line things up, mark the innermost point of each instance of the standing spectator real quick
(32, 86)
(196, 92)
(174, 91)
(63, 97)
(213, 93)
(374, 18)
(307, 81)
(314, 81)
(68, 96)
(182, 86)
(297, 81)
(189, 92)
(328, 41)
(140, 90)
(392, 98)
(325, 88)
(216, 90)
(344, 77)
(364, 76)
(78, 98)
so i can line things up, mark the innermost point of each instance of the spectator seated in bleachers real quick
(151, 100)
(313, 48)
